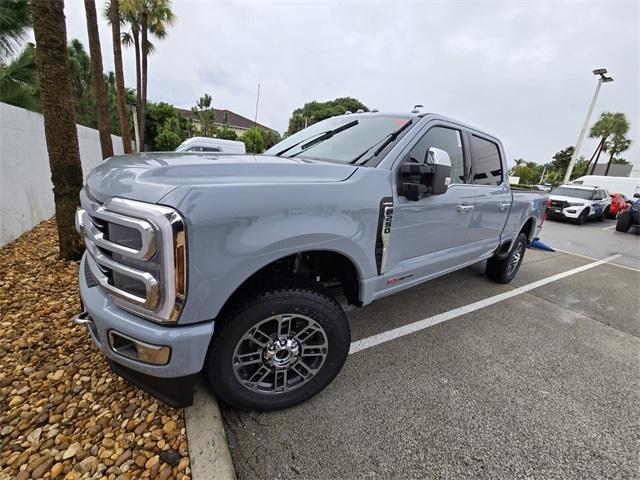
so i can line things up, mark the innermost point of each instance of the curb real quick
(209, 454)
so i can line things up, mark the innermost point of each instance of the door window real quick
(486, 166)
(447, 139)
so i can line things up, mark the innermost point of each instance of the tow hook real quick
(82, 319)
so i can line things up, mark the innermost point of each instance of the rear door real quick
(491, 196)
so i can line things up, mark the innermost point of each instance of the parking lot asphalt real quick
(595, 239)
(545, 384)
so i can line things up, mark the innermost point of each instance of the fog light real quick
(137, 350)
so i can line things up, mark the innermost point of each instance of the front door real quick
(428, 235)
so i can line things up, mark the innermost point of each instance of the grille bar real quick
(149, 280)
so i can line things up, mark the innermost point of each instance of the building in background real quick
(236, 122)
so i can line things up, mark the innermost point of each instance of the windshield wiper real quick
(320, 137)
(385, 141)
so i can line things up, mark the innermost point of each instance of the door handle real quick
(503, 206)
(465, 208)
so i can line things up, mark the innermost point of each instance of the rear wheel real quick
(624, 222)
(504, 270)
(278, 347)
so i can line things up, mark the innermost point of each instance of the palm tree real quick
(130, 14)
(15, 22)
(608, 125)
(19, 81)
(144, 17)
(112, 13)
(59, 120)
(618, 144)
(98, 79)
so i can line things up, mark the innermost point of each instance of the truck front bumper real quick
(162, 360)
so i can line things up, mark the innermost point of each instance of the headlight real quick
(575, 204)
(137, 254)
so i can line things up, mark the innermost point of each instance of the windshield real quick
(573, 192)
(345, 145)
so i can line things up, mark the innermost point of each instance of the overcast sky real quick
(520, 70)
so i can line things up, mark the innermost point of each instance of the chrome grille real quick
(135, 254)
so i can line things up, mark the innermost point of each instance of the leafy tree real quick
(205, 114)
(59, 120)
(270, 138)
(227, 133)
(102, 115)
(15, 22)
(313, 112)
(162, 117)
(19, 81)
(253, 141)
(170, 135)
(528, 172)
(82, 84)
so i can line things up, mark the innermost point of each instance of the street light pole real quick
(603, 79)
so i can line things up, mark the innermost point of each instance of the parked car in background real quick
(208, 144)
(239, 268)
(629, 217)
(619, 202)
(628, 186)
(578, 203)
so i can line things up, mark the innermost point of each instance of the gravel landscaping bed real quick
(63, 413)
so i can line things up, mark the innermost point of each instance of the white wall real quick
(26, 195)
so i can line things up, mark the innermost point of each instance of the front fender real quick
(234, 232)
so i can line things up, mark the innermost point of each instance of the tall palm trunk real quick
(59, 120)
(603, 143)
(98, 79)
(595, 152)
(144, 28)
(120, 92)
(606, 172)
(139, 110)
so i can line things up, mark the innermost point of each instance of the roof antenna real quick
(416, 108)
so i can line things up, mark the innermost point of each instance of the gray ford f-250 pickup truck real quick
(236, 266)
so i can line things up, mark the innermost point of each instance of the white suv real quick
(578, 203)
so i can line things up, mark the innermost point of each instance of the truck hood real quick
(150, 176)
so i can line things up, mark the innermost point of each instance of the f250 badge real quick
(385, 217)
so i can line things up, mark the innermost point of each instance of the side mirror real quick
(441, 163)
(636, 195)
(417, 180)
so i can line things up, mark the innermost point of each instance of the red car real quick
(618, 204)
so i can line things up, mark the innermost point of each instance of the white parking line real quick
(594, 258)
(389, 335)
(609, 228)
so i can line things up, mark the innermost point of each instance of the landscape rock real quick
(63, 413)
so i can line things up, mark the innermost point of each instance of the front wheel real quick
(624, 222)
(583, 216)
(279, 347)
(503, 270)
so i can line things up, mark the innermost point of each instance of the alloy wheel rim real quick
(515, 258)
(280, 353)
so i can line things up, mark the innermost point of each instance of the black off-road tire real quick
(503, 270)
(284, 296)
(624, 222)
(583, 216)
